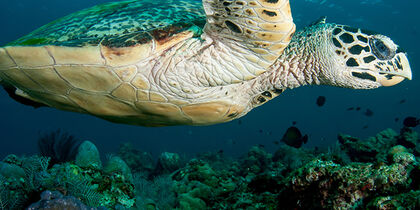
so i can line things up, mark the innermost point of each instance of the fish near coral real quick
(411, 122)
(293, 137)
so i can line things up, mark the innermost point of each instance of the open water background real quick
(20, 125)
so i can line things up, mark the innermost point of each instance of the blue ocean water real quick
(20, 125)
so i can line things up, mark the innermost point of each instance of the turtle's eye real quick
(380, 49)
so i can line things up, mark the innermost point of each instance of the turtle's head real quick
(362, 59)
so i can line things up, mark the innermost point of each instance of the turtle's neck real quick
(304, 61)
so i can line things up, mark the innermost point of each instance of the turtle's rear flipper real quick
(19, 96)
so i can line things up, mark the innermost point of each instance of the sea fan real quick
(3, 194)
(10, 199)
(160, 191)
(59, 146)
(82, 189)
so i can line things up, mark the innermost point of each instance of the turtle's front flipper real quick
(260, 29)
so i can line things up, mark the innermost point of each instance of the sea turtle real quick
(183, 62)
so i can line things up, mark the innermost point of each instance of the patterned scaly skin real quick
(334, 55)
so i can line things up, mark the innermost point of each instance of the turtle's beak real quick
(399, 69)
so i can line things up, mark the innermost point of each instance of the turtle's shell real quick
(119, 24)
(99, 61)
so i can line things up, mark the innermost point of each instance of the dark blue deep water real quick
(20, 125)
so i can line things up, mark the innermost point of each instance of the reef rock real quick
(54, 200)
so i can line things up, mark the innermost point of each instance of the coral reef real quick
(374, 173)
(380, 172)
(23, 179)
(342, 186)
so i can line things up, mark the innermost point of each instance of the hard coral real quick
(117, 165)
(137, 160)
(369, 150)
(409, 200)
(342, 186)
(257, 160)
(88, 156)
(168, 163)
(198, 183)
(291, 157)
(408, 138)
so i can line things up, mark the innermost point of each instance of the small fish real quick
(320, 101)
(276, 142)
(411, 122)
(402, 101)
(240, 122)
(358, 108)
(294, 138)
(368, 113)
(260, 131)
(294, 123)
(350, 109)
(365, 127)
(396, 119)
